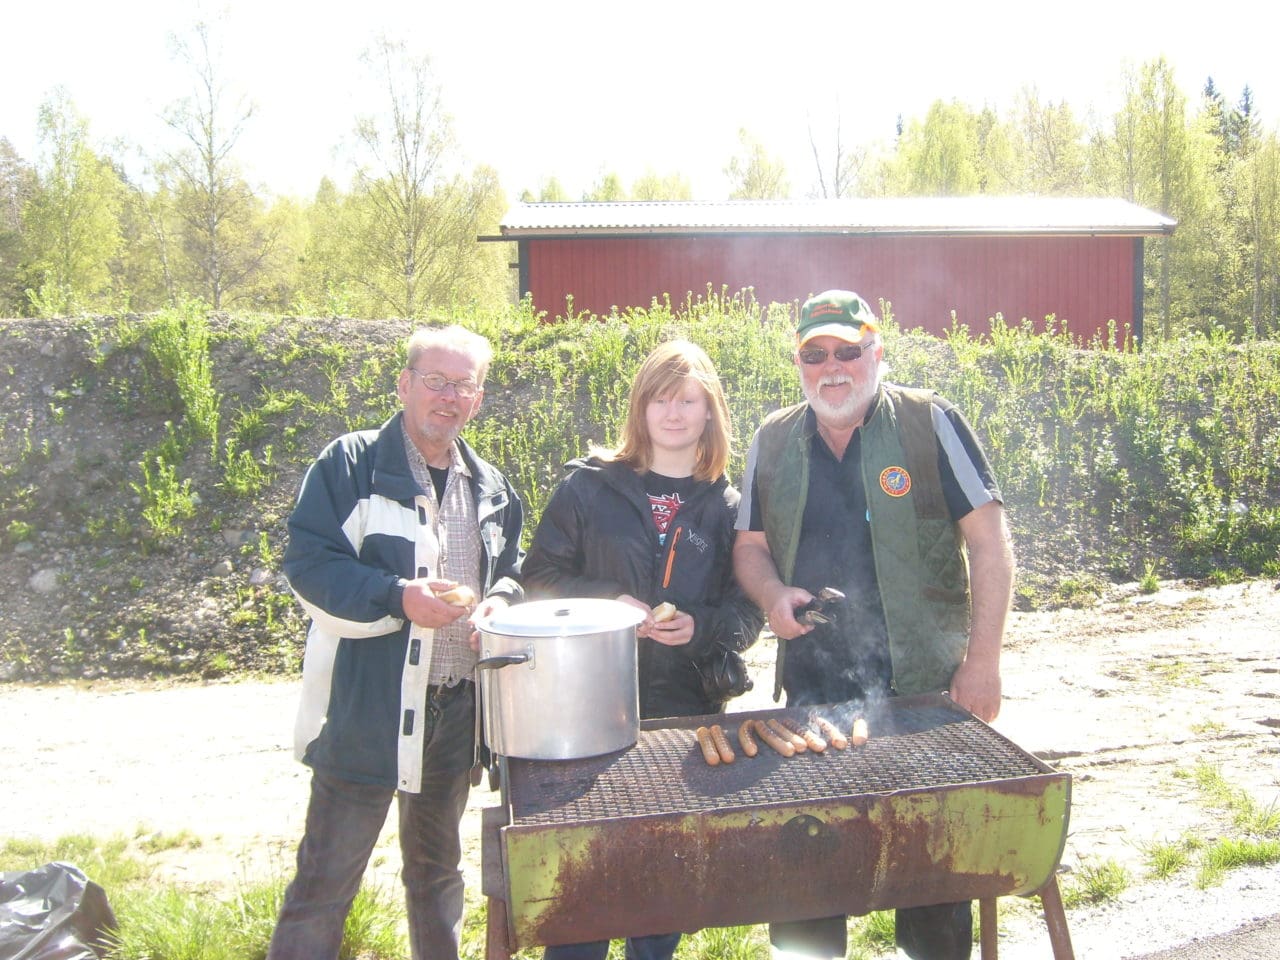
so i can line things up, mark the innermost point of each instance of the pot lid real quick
(573, 616)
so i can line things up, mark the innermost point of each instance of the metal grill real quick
(911, 747)
(936, 808)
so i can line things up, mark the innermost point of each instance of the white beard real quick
(849, 411)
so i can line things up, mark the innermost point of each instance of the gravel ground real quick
(1147, 921)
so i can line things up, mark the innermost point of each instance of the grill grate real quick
(910, 748)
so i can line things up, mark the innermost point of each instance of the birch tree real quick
(754, 174)
(419, 214)
(939, 156)
(71, 224)
(222, 234)
(1258, 177)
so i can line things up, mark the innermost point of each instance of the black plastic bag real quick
(53, 912)
(724, 675)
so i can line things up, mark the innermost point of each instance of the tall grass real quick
(165, 922)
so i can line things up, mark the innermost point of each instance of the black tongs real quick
(818, 610)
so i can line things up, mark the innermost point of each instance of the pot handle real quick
(506, 660)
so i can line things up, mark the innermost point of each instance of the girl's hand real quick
(645, 625)
(675, 632)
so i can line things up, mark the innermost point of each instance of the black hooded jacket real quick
(597, 538)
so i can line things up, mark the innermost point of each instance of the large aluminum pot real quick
(558, 678)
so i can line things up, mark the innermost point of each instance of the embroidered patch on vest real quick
(895, 481)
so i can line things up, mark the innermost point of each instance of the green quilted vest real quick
(920, 561)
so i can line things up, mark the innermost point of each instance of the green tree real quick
(652, 186)
(608, 189)
(1257, 177)
(222, 233)
(939, 156)
(1158, 157)
(1038, 150)
(17, 187)
(417, 218)
(1235, 135)
(148, 264)
(754, 174)
(1177, 158)
(327, 285)
(551, 191)
(273, 287)
(71, 224)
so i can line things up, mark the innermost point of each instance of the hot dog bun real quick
(664, 611)
(459, 595)
(859, 734)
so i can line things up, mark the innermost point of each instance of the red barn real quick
(1078, 259)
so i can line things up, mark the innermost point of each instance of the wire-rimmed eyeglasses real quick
(465, 389)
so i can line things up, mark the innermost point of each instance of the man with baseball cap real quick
(883, 493)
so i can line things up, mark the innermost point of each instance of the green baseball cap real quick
(836, 313)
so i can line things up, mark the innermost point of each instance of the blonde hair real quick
(451, 337)
(666, 370)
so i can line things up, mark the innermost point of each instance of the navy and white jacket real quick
(358, 531)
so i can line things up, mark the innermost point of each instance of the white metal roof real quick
(892, 215)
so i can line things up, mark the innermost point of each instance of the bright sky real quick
(575, 88)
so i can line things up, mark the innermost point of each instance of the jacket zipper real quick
(671, 557)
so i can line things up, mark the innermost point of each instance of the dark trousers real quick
(940, 932)
(659, 946)
(343, 823)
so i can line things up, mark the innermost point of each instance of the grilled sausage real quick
(721, 743)
(765, 733)
(746, 740)
(811, 739)
(832, 733)
(709, 751)
(860, 734)
(796, 741)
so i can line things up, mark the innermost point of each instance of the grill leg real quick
(988, 927)
(495, 941)
(1055, 918)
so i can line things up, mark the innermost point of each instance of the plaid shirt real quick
(452, 658)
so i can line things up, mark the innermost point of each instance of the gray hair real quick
(452, 337)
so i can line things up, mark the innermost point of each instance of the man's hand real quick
(424, 608)
(781, 612)
(976, 684)
(753, 565)
(976, 687)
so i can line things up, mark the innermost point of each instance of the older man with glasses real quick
(395, 533)
(883, 494)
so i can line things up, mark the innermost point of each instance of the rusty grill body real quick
(937, 807)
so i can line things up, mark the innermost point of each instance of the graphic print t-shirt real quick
(666, 496)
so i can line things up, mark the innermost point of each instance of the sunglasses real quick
(846, 353)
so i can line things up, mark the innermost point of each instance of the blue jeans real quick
(343, 823)
(658, 946)
(940, 932)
